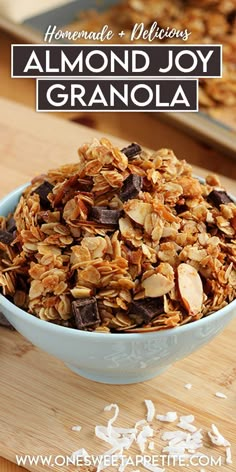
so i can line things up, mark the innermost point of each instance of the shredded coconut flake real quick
(76, 428)
(140, 423)
(188, 386)
(141, 440)
(187, 426)
(217, 438)
(151, 446)
(170, 435)
(170, 417)
(184, 442)
(111, 421)
(125, 430)
(174, 450)
(188, 418)
(179, 438)
(220, 395)
(228, 458)
(150, 410)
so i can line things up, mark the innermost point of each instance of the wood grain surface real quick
(40, 398)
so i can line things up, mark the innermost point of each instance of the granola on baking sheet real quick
(210, 21)
(123, 240)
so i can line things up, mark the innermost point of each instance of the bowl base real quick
(115, 378)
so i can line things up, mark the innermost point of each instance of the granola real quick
(210, 21)
(120, 244)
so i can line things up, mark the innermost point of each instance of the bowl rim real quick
(33, 320)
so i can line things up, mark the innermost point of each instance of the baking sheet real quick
(32, 29)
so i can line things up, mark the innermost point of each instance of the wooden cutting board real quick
(40, 398)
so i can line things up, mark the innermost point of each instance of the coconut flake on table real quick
(118, 438)
(228, 454)
(170, 417)
(150, 410)
(76, 428)
(142, 437)
(177, 438)
(151, 446)
(124, 430)
(171, 435)
(188, 386)
(217, 438)
(187, 426)
(140, 423)
(113, 419)
(174, 450)
(187, 418)
(113, 436)
(180, 442)
(220, 395)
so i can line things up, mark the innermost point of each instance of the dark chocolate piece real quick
(11, 225)
(105, 215)
(219, 197)
(131, 187)
(132, 150)
(148, 308)
(231, 17)
(181, 208)
(6, 237)
(43, 191)
(4, 322)
(85, 311)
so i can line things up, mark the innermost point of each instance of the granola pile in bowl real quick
(122, 241)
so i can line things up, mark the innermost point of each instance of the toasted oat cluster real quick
(123, 240)
(209, 21)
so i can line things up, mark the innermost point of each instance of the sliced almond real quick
(190, 287)
(157, 285)
(137, 210)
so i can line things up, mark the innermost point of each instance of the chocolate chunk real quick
(132, 150)
(148, 308)
(85, 311)
(131, 187)
(181, 208)
(219, 197)
(4, 322)
(104, 215)
(6, 237)
(231, 17)
(43, 191)
(11, 225)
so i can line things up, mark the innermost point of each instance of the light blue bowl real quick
(113, 358)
